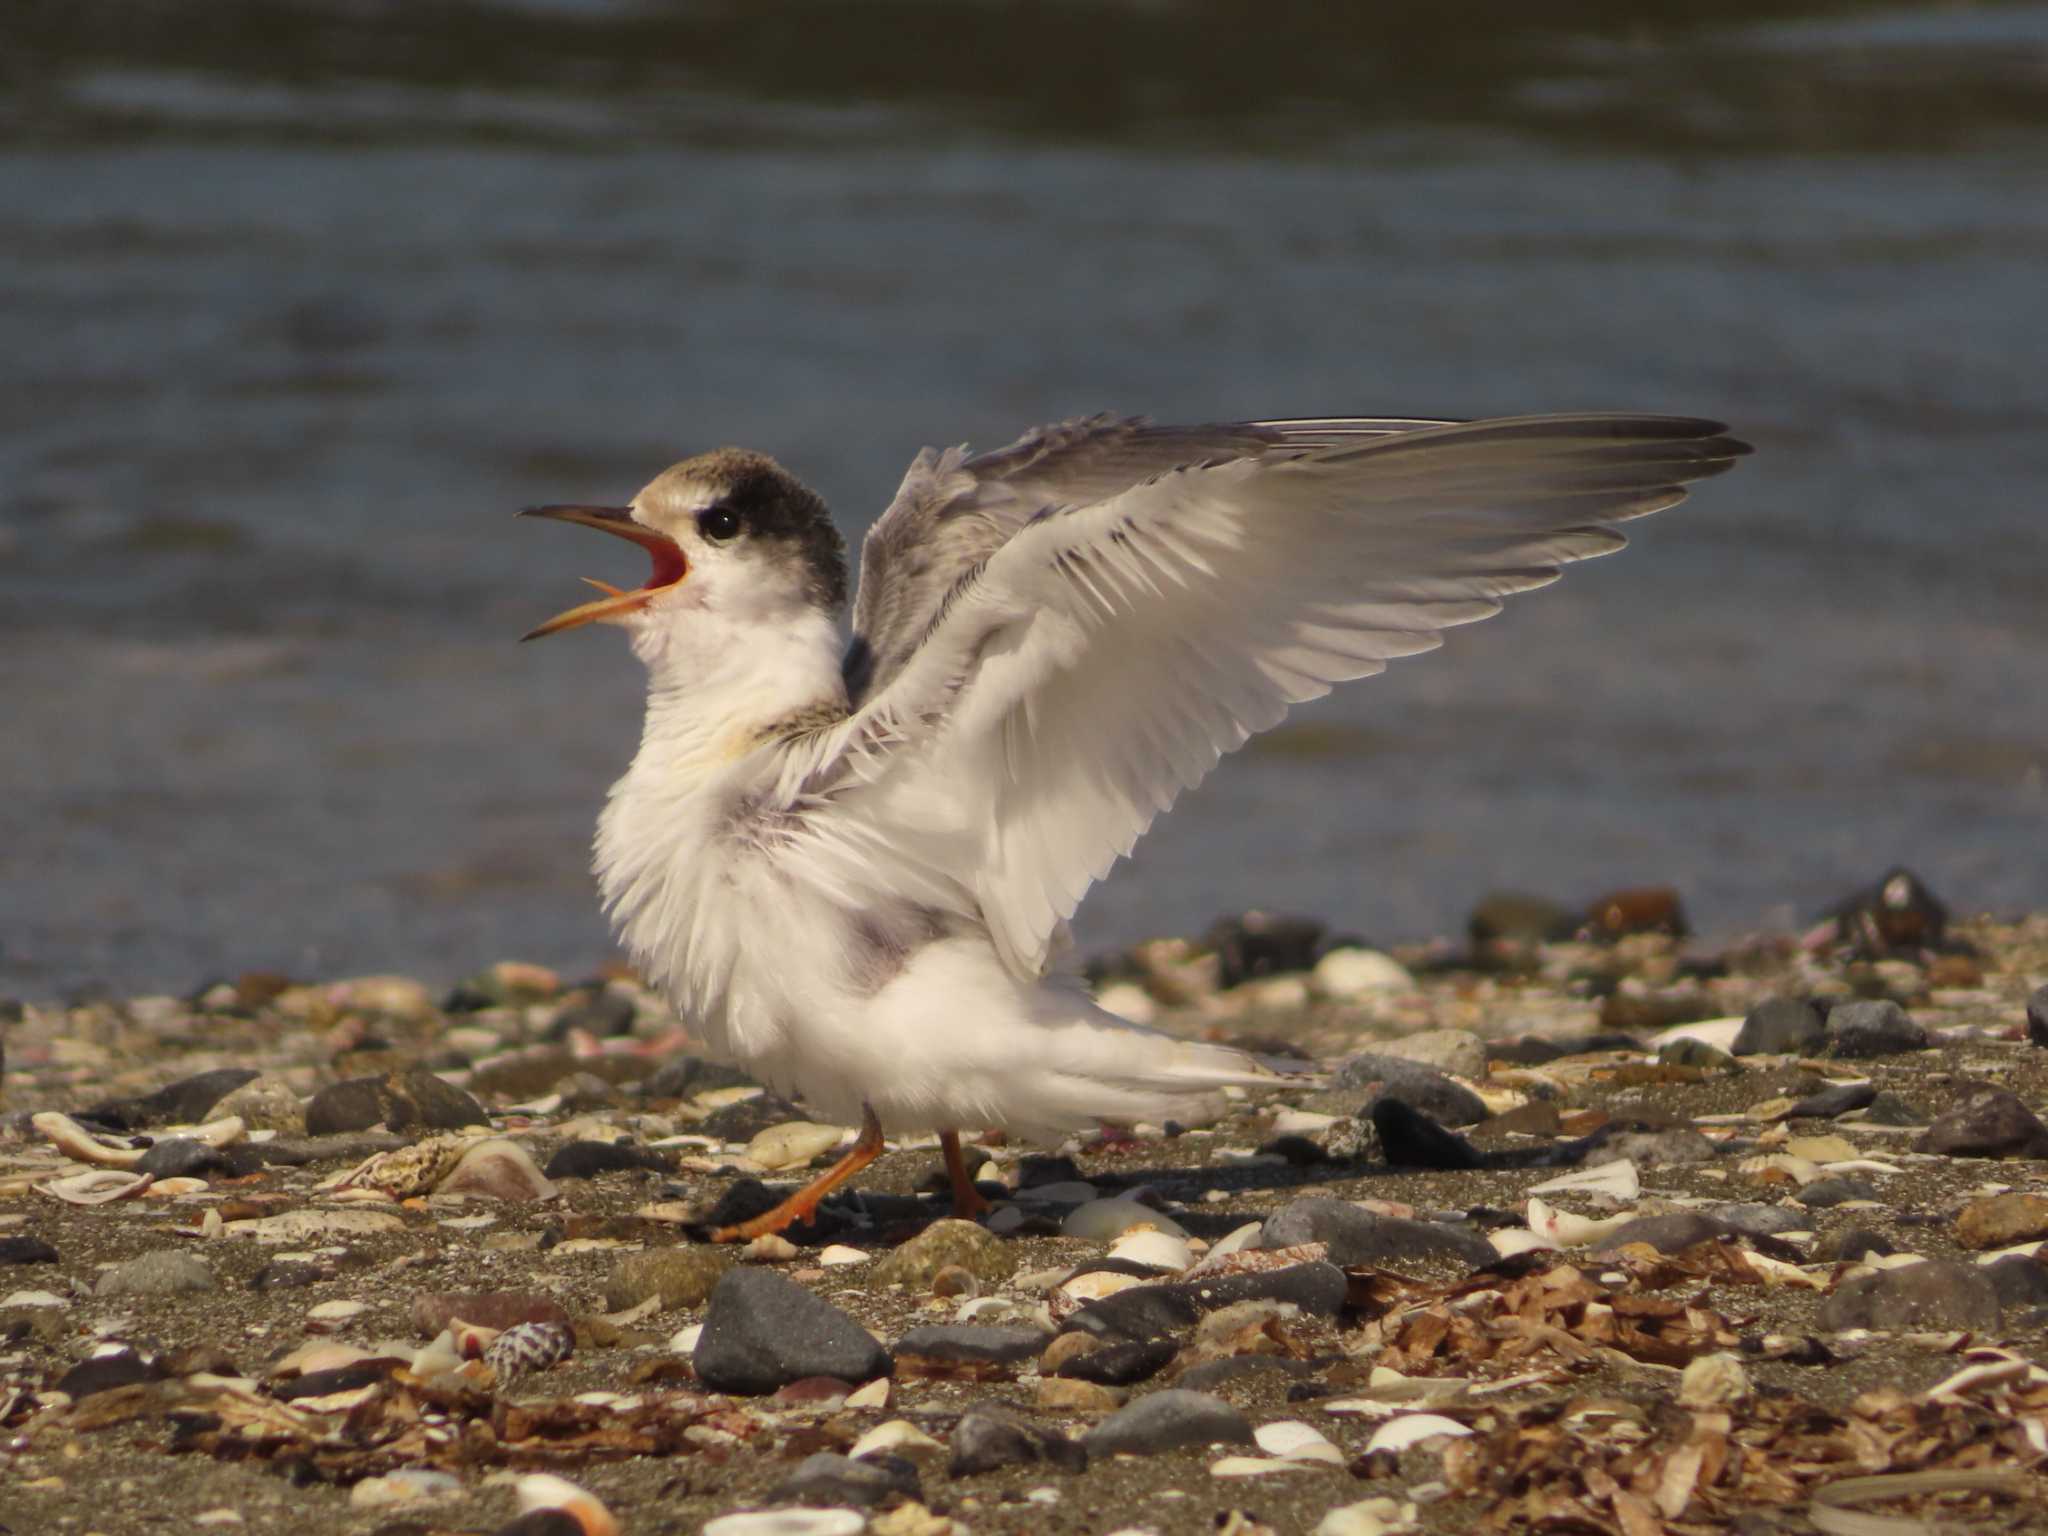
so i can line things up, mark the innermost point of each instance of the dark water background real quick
(300, 300)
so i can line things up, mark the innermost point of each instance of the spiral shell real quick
(528, 1347)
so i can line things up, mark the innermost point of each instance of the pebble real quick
(1065, 1394)
(1168, 1421)
(1415, 1083)
(827, 1478)
(1356, 1236)
(1672, 1232)
(1457, 1052)
(26, 1249)
(1674, 1148)
(988, 1436)
(681, 1277)
(897, 1437)
(2002, 1220)
(1118, 1363)
(1780, 1026)
(943, 1244)
(2021, 1280)
(400, 1101)
(167, 1272)
(793, 1144)
(1258, 944)
(114, 1366)
(1864, 1029)
(762, 1332)
(499, 1169)
(1104, 1221)
(2037, 1017)
(1836, 1099)
(1368, 1517)
(1932, 1294)
(1346, 973)
(184, 1102)
(1992, 1122)
(1515, 918)
(1824, 1193)
(788, 1522)
(409, 1485)
(588, 1159)
(962, 1342)
(433, 1311)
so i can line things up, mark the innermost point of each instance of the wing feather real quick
(1071, 631)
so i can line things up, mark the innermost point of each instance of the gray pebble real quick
(1168, 1421)
(166, 1272)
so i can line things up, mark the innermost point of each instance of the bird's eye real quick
(718, 524)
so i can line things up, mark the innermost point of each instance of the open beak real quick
(670, 566)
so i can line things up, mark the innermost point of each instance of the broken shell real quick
(1292, 1440)
(898, 1437)
(542, 1490)
(1398, 1435)
(498, 1168)
(75, 1141)
(1149, 1246)
(97, 1187)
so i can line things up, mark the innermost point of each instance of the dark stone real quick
(1410, 1139)
(1674, 1148)
(183, 1158)
(1533, 1051)
(1640, 909)
(1318, 1289)
(24, 1249)
(975, 1342)
(1168, 1421)
(1122, 1364)
(1758, 1220)
(1670, 1233)
(535, 1522)
(1295, 1151)
(1864, 1029)
(684, 1077)
(1991, 1122)
(1420, 1087)
(1850, 1245)
(434, 1310)
(297, 1151)
(2037, 1016)
(183, 1102)
(830, 1481)
(1897, 915)
(1538, 1117)
(988, 1437)
(1823, 1193)
(1781, 1026)
(401, 1101)
(1358, 1236)
(1141, 1312)
(2021, 1280)
(343, 1378)
(1217, 1373)
(1838, 1099)
(748, 1118)
(762, 1332)
(587, 1159)
(605, 1014)
(1262, 944)
(1516, 918)
(1889, 1108)
(1934, 1295)
(1688, 1052)
(103, 1373)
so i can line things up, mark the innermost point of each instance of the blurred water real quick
(302, 300)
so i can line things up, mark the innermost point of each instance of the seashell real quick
(789, 1522)
(224, 1132)
(337, 1311)
(1292, 1440)
(1562, 1229)
(1223, 1260)
(76, 1142)
(1617, 1178)
(1160, 1250)
(543, 1490)
(97, 1187)
(1253, 1466)
(1097, 1284)
(528, 1347)
(793, 1144)
(1398, 1435)
(498, 1168)
(1509, 1242)
(839, 1253)
(164, 1189)
(1104, 1221)
(404, 1171)
(874, 1395)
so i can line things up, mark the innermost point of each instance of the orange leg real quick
(803, 1205)
(967, 1200)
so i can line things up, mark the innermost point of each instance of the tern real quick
(850, 864)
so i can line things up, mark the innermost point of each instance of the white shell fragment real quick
(1292, 1440)
(1161, 1250)
(898, 1437)
(96, 1187)
(788, 1522)
(543, 1490)
(76, 1142)
(1368, 1517)
(1103, 1221)
(1617, 1178)
(1254, 1466)
(1411, 1429)
(793, 1144)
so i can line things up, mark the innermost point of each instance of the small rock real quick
(1639, 909)
(1515, 918)
(402, 1101)
(1918, 1297)
(1168, 1421)
(1262, 944)
(1866, 1029)
(1755, 1219)
(25, 1249)
(1992, 1122)
(971, 1342)
(499, 1168)
(1458, 1052)
(167, 1272)
(1674, 1148)
(433, 1311)
(1346, 973)
(684, 1077)
(1670, 1233)
(2037, 1016)
(2021, 1281)
(987, 1437)
(943, 1244)
(762, 1332)
(185, 1102)
(1357, 1236)
(788, 1522)
(180, 1157)
(1120, 1363)
(1689, 1052)
(1889, 1108)
(1851, 1244)
(588, 1159)
(831, 1480)
(681, 1277)
(1142, 1312)
(605, 1014)
(1414, 1083)
(2002, 1220)
(1381, 1516)
(1823, 1193)
(408, 1485)
(1781, 1026)
(1836, 1099)
(1898, 914)
(744, 1119)
(118, 1367)
(265, 1103)
(1066, 1394)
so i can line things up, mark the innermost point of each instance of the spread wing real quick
(1067, 633)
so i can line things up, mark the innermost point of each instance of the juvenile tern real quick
(850, 865)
